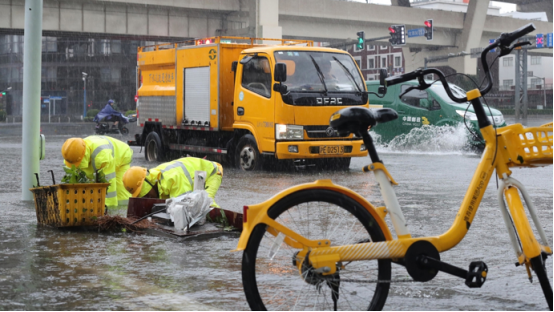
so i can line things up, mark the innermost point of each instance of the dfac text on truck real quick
(247, 101)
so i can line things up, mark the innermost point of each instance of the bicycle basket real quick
(528, 146)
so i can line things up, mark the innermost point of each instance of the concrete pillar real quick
(263, 19)
(471, 36)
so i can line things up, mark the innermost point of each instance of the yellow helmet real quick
(133, 180)
(73, 151)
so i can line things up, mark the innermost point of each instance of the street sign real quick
(549, 40)
(491, 41)
(540, 41)
(46, 100)
(418, 32)
(55, 97)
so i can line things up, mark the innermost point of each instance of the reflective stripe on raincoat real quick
(114, 158)
(177, 177)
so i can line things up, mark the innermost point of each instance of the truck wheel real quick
(153, 149)
(247, 155)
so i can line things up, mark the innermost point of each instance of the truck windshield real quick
(340, 73)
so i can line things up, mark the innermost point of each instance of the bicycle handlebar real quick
(507, 38)
(503, 41)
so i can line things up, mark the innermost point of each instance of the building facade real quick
(378, 56)
(109, 64)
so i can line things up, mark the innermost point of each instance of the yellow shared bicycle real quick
(320, 246)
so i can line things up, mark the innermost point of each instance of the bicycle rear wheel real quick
(538, 266)
(275, 283)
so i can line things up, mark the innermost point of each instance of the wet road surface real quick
(42, 268)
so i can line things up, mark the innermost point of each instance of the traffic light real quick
(392, 32)
(397, 34)
(361, 40)
(429, 29)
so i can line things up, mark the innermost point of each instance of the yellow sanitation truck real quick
(250, 101)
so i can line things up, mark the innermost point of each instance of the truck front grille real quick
(315, 132)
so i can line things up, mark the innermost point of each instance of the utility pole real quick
(520, 94)
(32, 64)
(84, 95)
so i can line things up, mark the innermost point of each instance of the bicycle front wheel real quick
(271, 280)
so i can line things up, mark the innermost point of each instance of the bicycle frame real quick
(322, 255)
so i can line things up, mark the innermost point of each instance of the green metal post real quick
(32, 50)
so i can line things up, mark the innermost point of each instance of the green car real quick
(432, 106)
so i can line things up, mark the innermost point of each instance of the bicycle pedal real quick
(477, 274)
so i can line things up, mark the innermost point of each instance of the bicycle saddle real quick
(357, 119)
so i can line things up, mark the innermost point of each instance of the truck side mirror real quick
(382, 75)
(280, 74)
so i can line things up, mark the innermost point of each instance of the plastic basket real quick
(528, 146)
(64, 205)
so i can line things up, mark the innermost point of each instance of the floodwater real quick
(43, 268)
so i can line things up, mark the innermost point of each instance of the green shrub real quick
(89, 118)
(127, 113)
(92, 112)
(2, 115)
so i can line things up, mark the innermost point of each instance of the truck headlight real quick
(468, 115)
(496, 120)
(289, 132)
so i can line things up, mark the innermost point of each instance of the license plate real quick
(331, 150)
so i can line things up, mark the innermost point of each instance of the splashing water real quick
(428, 140)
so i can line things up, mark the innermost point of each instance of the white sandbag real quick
(186, 210)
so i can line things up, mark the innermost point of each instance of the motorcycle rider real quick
(99, 152)
(110, 114)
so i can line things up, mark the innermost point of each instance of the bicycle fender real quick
(256, 213)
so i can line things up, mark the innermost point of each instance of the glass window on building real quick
(370, 47)
(507, 83)
(535, 82)
(508, 62)
(397, 61)
(359, 62)
(535, 60)
(105, 47)
(370, 62)
(16, 75)
(115, 46)
(90, 47)
(384, 62)
(49, 44)
(4, 44)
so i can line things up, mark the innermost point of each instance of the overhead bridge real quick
(318, 20)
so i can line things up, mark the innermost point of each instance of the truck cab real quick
(247, 103)
(289, 116)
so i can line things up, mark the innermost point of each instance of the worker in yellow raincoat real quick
(99, 152)
(173, 178)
